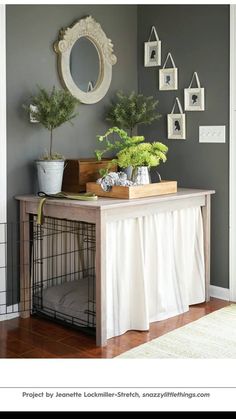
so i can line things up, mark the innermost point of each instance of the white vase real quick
(50, 174)
(141, 175)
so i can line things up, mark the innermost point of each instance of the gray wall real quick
(31, 31)
(198, 38)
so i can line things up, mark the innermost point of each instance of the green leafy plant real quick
(105, 171)
(145, 154)
(51, 109)
(130, 151)
(131, 110)
(116, 139)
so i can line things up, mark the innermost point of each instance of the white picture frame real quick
(176, 124)
(152, 53)
(168, 79)
(194, 99)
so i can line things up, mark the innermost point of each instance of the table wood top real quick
(107, 203)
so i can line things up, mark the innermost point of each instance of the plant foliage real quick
(52, 109)
(145, 154)
(131, 110)
(130, 151)
(119, 141)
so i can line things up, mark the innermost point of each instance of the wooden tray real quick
(131, 192)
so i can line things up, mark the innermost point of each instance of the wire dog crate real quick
(62, 272)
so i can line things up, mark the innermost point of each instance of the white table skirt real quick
(155, 268)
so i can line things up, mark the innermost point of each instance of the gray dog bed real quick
(70, 299)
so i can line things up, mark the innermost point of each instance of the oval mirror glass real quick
(84, 64)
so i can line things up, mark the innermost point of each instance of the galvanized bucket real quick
(50, 175)
(141, 175)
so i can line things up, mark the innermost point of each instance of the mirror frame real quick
(92, 30)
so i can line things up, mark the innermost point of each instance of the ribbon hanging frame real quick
(152, 50)
(168, 77)
(176, 123)
(194, 97)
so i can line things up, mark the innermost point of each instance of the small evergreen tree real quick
(128, 111)
(52, 110)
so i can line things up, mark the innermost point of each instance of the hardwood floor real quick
(39, 338)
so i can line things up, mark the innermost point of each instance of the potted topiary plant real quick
(51, 110)
(129, 111)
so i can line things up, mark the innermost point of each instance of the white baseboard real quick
(12, 313)
(11, 316)
(218, 292)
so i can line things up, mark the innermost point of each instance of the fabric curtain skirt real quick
(155, 268)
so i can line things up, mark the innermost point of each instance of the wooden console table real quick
(100, 212)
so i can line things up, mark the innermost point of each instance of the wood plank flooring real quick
(39, 338)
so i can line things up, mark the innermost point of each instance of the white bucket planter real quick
(50, 174)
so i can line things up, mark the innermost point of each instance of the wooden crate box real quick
(78, 172)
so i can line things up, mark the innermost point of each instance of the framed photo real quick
(194, 99)
(152, 53)
(176, 126)
(168, 79)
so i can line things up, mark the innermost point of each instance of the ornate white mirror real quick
(85, 60)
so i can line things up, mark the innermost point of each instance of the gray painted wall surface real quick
(198, 38)
(31, 31)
